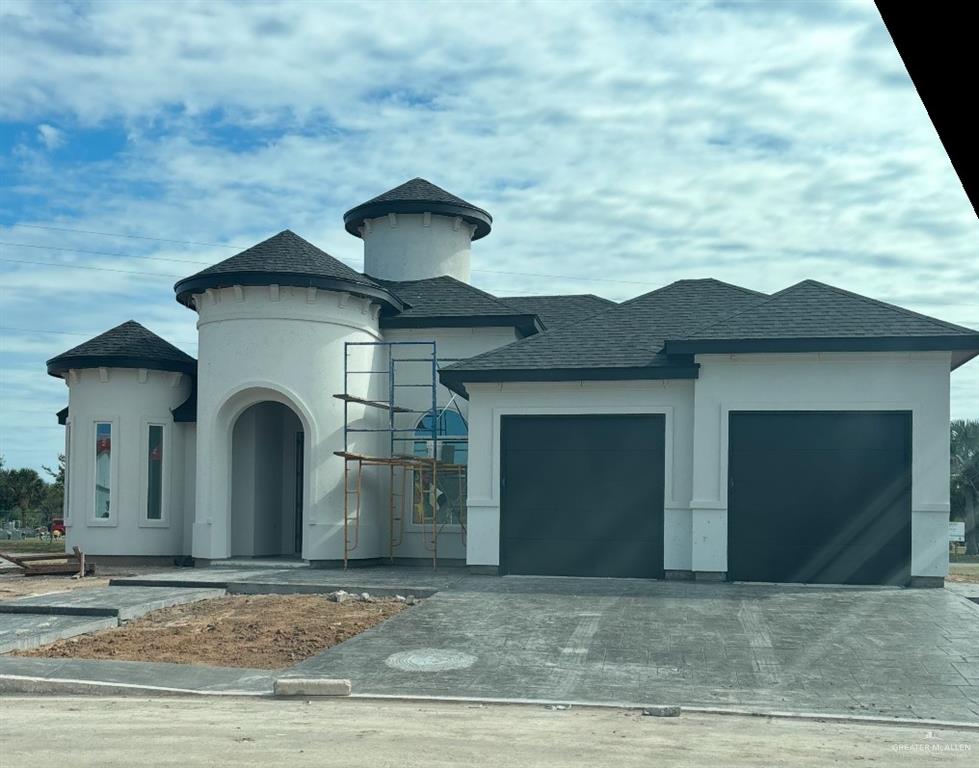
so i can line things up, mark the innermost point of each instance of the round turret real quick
(417, 231)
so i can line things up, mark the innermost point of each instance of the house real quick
(701, 430)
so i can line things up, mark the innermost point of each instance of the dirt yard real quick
(964, 572)
(258, 631)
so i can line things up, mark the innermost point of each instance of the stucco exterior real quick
(696, 412)
(489, 402)
(911, 381)
(129, 400)
(284, 345)
(251, 467)
(413, 246)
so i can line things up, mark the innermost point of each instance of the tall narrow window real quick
(103, 470)
(65, 508)
(154, 473)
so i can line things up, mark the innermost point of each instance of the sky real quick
(619, 147)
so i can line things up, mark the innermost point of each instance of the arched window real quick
(451, 433)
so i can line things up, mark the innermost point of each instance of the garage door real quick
(820, 497)
(582, 495)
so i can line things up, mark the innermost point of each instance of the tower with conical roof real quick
(124, 447)
(416, 231)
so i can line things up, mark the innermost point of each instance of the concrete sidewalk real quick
(378, 580)
(29, 622)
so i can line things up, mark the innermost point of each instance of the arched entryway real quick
(267, 470)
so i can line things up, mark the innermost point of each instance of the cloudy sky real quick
(619, 146)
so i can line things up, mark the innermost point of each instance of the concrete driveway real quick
(878, 652)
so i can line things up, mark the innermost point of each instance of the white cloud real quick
(50, 136)
(633, 142)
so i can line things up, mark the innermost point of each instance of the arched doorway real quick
(267, 449)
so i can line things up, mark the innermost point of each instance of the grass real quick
(32, 546)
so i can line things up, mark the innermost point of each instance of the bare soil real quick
(964, 572)
(257, 631)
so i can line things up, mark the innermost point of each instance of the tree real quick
(965, 479)
(54, 495)
(25, 489)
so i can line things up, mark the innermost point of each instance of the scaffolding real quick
(425, 472)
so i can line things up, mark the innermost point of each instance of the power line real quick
(135, 237)
(102, 253)
(205, 263)
(82, 266)
(225, 245)
(68, 333)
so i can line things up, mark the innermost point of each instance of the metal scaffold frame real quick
(425, 470)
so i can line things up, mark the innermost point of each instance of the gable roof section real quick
(624, 341)
(440, 302)
(129, 345)
(558, 310)
(814, 317)
(283, 259)
(418, 196)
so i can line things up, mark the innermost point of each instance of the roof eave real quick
(353, 218)
(456, 379)
(527, 325)
(824, 344)
(199, 283)
(58, 366)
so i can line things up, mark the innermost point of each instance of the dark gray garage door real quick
(820, 497)
(582, 495)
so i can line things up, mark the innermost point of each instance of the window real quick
(103, 470)
(154, 473)
(65, 509)
(448, 497)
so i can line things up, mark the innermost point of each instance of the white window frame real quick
(113, 519)
(66, 501)
(144, 476)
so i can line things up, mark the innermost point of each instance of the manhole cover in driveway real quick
(429, 660)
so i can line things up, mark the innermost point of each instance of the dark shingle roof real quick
(284, 259)
(814, 309)
(813, 316)
(129, 345)
(627, 337)
(445, 301)
(558, 310)
(418, 196)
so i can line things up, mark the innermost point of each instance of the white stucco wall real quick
(489, 402)
(415, 246)
(285, 345)
(130, 400)
(452, 345)
(916, 382)
(695, 535)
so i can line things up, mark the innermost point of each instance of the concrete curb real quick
(234, 587)
(23, 684)
(313, 686)
(64, 687)
(693, 710)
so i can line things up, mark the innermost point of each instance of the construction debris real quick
(52, 563)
